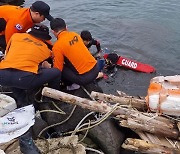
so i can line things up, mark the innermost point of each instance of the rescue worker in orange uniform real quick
(15, 19)
(80, 66)
(22, 70)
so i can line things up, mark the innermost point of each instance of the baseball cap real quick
(40, 31)
(42, 8)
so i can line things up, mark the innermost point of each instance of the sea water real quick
(143, 30)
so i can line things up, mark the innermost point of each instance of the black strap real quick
(2, 24)
(50, 46)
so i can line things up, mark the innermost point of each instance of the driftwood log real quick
(160, 140)
(178, 124)
(139, 104)
(150, 122)
(83, 102)
(146, 147)
(130, 118)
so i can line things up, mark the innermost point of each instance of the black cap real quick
(57, 23)
(40, 31)
(42, 8)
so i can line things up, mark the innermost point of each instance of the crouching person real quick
(21, 71)
(71, 56)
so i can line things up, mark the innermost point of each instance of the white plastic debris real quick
(16, 123)
(2, 152)
(7, 104)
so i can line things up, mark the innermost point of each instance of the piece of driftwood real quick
(83, 102)
(146, 147)
(178, 124)
(75, 100)
(139, 104)
(160, 140)
(150, 122)
(130, 118)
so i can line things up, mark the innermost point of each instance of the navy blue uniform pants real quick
(20, 81)
(69, 76)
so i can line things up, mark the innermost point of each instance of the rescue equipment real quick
(164, 95)
(115, 59)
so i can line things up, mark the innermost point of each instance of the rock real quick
(71, 121)
(107, 136)
(65, 145)
(39, 125)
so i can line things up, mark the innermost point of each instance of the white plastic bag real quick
(2, 152)
(7, 104)
(16, 123)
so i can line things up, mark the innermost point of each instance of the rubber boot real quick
(27, 145)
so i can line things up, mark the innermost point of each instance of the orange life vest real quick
(71, 46)
(18, 19)
(25, 52)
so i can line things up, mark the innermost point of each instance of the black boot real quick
(27, 145)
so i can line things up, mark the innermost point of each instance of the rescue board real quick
(133, 64)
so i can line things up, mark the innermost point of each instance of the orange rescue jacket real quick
(18, 19)
(25, 52)
(71, 46)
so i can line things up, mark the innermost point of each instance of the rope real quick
(59, 122)
(54, 111)
(57, 107)
(86, 132)
(98, 121)
(152, 118)
(82, 121)
(88, 93)
(94, 150)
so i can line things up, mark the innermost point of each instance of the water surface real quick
(148, 31)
